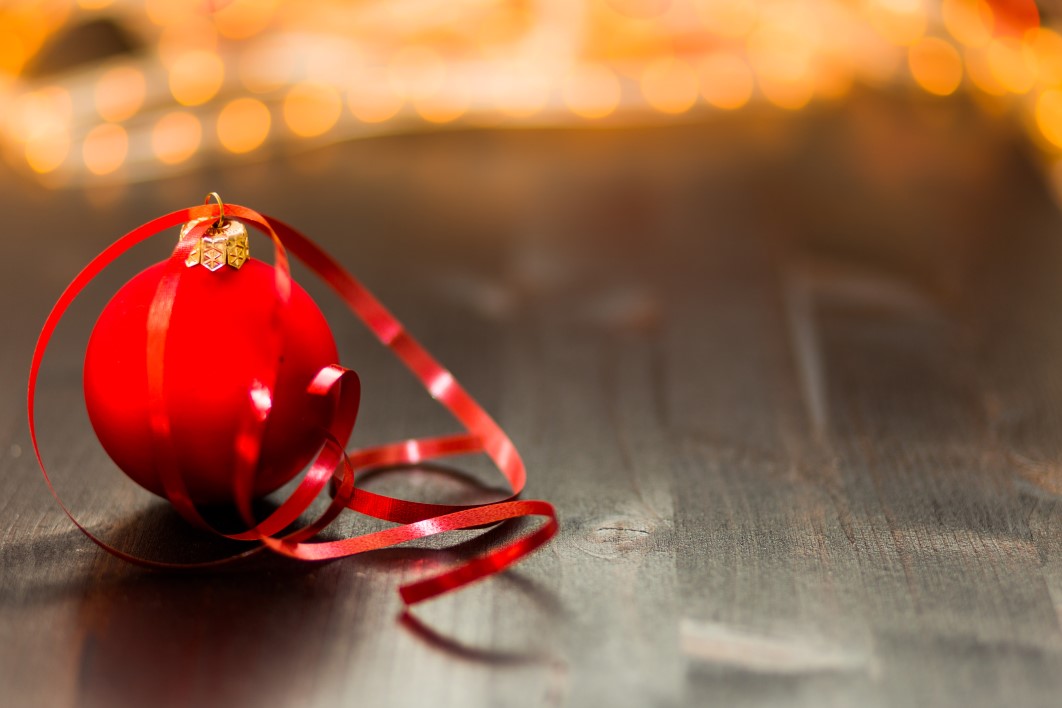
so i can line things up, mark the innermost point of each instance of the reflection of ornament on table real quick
(213, 379)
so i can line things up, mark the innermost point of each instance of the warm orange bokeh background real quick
(136, 89)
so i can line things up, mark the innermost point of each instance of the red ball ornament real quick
(218, 349)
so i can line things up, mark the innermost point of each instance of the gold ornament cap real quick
(224, 243)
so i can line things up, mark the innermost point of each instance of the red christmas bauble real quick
(217, 348)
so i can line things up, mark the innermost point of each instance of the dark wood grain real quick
(791, 381)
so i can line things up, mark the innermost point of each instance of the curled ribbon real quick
(333, 468)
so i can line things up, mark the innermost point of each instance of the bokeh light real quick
(49, 109)
(591, 91)
(640, 9)
(266, 66)
(729, 18)
(120, 93)
(372, 100)
(243, 124)
(262, 71)
(169, 12)
(176, 137)
(417, 72)
(311, 109)
(105, 148)
(1012, 64)
(445, 105)
(670, 85)
(196, 77)
(240, 19)
(900, 21)
(1046, 46)
(782, 52)
(980, 73)
(936, 66)
(47, 149)
(726, 80)
(968, 21)
(784, 92)
(191, 33)
(1049, 116)
(523, 93)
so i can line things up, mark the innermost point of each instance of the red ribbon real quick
(334, 468)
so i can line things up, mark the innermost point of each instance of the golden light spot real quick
(1012, 63)
(968, 21)
(243, 124)
(833, 81)
(47, 149)
(93, 4)
(120, 93)
(875, 63)
(266, 65)
(445, 106)
(782, 53)
(726, 80)
(12, 52)
(191, 33)
(981, 75)
(500, 26)
(899, 21)
(58, 103)
(334, 62)
(105, 148)
(730, 18)
(176, 137)
(240, 19)
(167, 12)
(523, 93)
(196, 77)
(417, 72)
(45, 110)
(640, 9)
(311, 109)
(1047, 48)
(670, 85)
(372, 100)
(785, 92)
(1049, 116)
(591, 91)
(935, 65)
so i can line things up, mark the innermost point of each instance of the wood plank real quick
(789, 380)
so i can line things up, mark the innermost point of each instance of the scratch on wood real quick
(733, 647)
(808, 282)
(800, 312)
(617, 536)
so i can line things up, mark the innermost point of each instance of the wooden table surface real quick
(791, 381)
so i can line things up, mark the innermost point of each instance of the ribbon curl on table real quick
(333, 467)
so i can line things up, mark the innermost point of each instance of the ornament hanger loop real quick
(221, 209)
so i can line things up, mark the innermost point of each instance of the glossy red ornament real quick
(215, 357)
(172, 370)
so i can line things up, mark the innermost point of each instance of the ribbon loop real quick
(334, 468)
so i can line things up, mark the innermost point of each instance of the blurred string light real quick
(231, 77)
